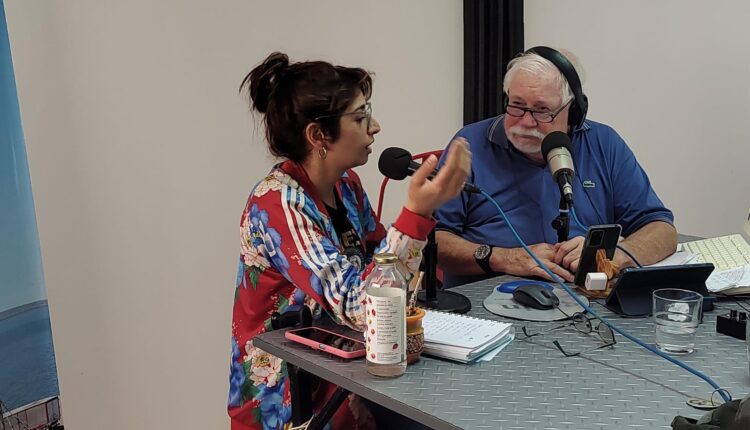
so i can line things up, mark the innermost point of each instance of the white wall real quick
(141, 153)
(141, 156)
(673, 77)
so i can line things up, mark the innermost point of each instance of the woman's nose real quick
(374, 126)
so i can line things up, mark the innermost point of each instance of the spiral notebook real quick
(462, 338)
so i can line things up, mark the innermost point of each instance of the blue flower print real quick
(267, 239)
(273, 249)
(241, 274)
(236, 376)
(258, 216)
(273, 412)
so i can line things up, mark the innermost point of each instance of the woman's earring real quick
(322, 153)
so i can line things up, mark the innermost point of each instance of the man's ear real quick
(315, 136)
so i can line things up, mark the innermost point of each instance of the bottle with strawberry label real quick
(385, 304)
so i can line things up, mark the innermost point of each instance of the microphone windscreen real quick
(394, 163)
(556, 139)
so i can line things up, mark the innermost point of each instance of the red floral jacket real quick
(290, 257)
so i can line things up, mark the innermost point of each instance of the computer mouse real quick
(535, 296)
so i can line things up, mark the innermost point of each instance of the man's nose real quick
(527, 120)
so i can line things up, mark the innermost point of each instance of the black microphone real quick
(396, 163)
(556, 149)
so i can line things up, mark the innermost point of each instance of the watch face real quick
(482, 252)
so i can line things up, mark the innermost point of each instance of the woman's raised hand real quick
(426, 195)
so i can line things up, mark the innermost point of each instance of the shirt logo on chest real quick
(589, 184)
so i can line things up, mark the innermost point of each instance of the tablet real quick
(632, 293)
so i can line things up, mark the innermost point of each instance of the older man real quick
(543, 94)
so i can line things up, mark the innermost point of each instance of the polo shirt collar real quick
(496, 132)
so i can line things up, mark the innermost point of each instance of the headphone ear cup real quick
(584, 107)
(577, 112)
(574, 115)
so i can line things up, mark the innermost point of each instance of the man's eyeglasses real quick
(583, 324)
(365, 112)
(539, 116)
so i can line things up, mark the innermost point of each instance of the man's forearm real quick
(650, 244)
(456, 255)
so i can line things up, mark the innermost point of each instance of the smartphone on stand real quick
(328, 341)
(604, 237)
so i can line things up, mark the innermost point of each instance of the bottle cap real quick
(386, 258)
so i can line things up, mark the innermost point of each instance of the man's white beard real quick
(526, 147)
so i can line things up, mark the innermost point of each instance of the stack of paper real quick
(462, 338)
(731, 281)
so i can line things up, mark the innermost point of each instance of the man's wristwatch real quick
(482, 256)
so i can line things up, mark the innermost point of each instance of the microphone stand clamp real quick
(562, 222)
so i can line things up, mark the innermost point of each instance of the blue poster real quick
(28, 375)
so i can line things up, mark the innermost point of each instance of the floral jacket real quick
(291, 257)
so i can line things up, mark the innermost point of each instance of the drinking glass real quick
(676, 314)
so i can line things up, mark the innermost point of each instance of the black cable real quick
(736, 300)
(629, 255)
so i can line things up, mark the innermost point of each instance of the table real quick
(532, 385)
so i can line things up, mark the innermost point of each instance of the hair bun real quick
(264, 78)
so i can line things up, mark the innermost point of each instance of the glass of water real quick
(677, 315)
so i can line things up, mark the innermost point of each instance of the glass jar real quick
(385, 306)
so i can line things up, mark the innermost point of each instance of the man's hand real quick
(568, 253)
(521, 264)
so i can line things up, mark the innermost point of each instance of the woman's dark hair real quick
(293, 95)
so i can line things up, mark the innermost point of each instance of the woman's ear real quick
(315, 136)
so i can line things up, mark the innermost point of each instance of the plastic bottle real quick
(385, 295)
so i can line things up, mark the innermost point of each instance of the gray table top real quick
(532, 385)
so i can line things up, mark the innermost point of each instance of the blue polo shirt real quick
(609, 187)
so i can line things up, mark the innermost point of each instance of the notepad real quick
(463, 338)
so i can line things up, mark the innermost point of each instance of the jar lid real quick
(385, 258)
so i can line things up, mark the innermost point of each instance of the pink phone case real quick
(293, 336)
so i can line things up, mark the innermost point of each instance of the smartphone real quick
(328, 341)
(604, 237)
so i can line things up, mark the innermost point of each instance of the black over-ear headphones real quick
(580, 104)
